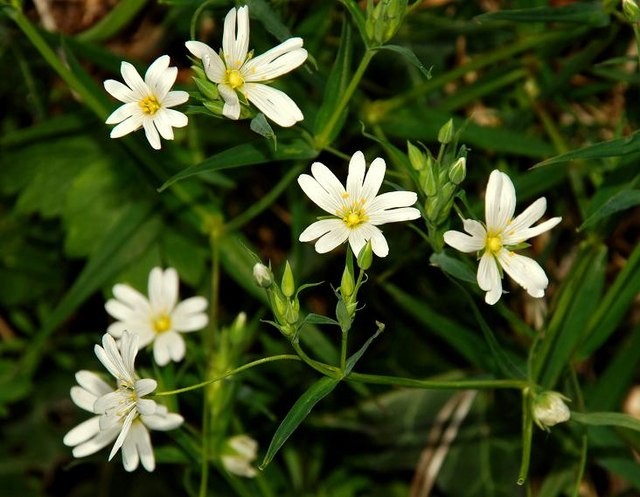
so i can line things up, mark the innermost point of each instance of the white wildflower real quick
(358, 209)
(238, 454)
(147, 103)
(236, 70)
(160, 318)
(501, 235)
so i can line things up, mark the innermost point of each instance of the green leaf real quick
(319, 319)
(260, 125)
(408, 54)
(353, 360)
(117, 18)
(588, 14)
(622, 200)
(246, 154)
(297, 415)
(262, 11)
(358, 18)
(453, 267)
(610, 148)
(606, 419)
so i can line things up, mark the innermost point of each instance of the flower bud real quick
(365, 257)
(631, 10)
(236, 331)
(288, 286)
(549, 409)
(238, 453)
(416, 157)
(428, 180)
(347, 284)
(384, 20)
(458, 171)
(445, 135)
(262, 275)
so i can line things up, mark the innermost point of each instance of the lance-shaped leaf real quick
(610, 148)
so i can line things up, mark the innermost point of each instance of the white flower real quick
(359, 210)
(159, 319)
(123, 414)
(236, 70)
(502, 234)
(549, 409)
(147, 103)
(239, 452)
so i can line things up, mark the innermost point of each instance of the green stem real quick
(436, 384)
(321, 367)
(258, 362)
(343, 350)
(527, 435)
(196, 16)
(322, 138)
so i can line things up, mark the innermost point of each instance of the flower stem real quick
(321, 367)
(527, 434)
(322, 139)
(258, 362)
(436, 384)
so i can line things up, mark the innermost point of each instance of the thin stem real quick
(264, 360)
(322, 138)
(343, 350)
(436, 384)
(527, 435)
(196, 16)
(215, 290)
(321, 367)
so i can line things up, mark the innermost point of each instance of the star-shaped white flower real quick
(501, 235)
(358, 209)
(159, 319)
(236, 70)
(123, 414)
(147, 103)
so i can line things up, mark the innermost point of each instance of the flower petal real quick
(330, 183)
(168, 346)
(235, 44)
(134, 81)
(332, 239)
(529, 216)
(151, 133)
(463, 242)
(133, 299)
(120, 91)
(319, 228)
(92, 383)
(475, 228)
(391, 200)
(317, 192)
(394, 215)
(231, 109)
(356, 174)
(83, 432)
(96, 443)
(489, 278)
(188, 315)
(160, 77)
(145, 386)
(213, 65)
(126, 426)
(373, 180)
(275, 104)
(525, 234)
(174, 98)
(162, 124)
(162, 422)
(500, 201)
(127, 126)
(276, 61)
(123, 112)
(524, 271)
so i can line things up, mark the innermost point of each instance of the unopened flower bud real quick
(458, 171)
(365, 257)
(262, 275)
(347, 284)
(384, 20)
(428, 180)
(237, 455)
(631, 10)
(445, 135)
(236, 331)
(416, 157)
(549, 409)
(288, 285)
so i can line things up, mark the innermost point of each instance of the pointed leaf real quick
(408, 54)
(618, 202)
(611, 148)
(607, 419)
(352, 361)
(588, 14)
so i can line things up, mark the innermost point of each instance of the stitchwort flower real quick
(122, 414)
(147, 103)
(501, 235)
(158, 319)
(356, 210)
(236, 70)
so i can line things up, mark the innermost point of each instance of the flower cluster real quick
(237, 74)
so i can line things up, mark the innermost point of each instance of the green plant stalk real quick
(527, 435)
(437, 384)
(252, 364)
(321, 367)
(322, 138)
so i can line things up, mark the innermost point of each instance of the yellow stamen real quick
(149, 105)
(234, 78)
(353, 216)
(162, 323)
(493, 243)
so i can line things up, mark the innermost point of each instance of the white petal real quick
(355, 176)
(126, 426)
(463, 242)
(168, 345)
(231, 109)
(235, 44)
(96, 443)
(160, 77)
(500, 201)
(163, 422)
(109, 402)
(134, 81)
(123, 312)
(175, 118)
(330, 183)
(151, 133)
(174, 98)
(128, 352)
(374, 178)
(275, 104)
(318, 194)
(529, 216)
(394, 215)
(83, 399)
(238, 466)
(127, 126)
(83, 432)
(132, 298)
(162, 124)
(524, 271)
(144, 449)
(146, 406)
(163, 292)
(188, 315)
(474, 228)
(365, 232)
(392, 200)
(276, 61)
(332, 239)
(92, 383)
(123, 112)
(319, 228)
(145, 386)
(119, 91)
(213, 65)
(110, 357)
(525, 234)
(489, 279)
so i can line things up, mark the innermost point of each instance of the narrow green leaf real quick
(411, 57)
(260, 125)
(319, 319)
(246, 154)
(353, 360)
(618, 202)
(588, 14)
(118, 18)
(262, 11)
(358, 17)
(297, 415)
(453, 267)
(610, 148)
(606, 419)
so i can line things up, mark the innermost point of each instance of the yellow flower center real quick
(162, 323)
(354, 214)
(493, 243)
(234, 78)
(149, 105)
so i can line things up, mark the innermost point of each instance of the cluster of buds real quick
(283, 299)
(439, 177)
(348, 292)
(384, 20)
